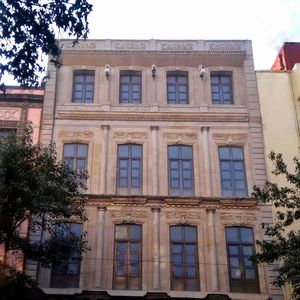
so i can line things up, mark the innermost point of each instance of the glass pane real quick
(82, 150)
(174, 174)
(250, 273)
(89, 78)
(190, 234)
(123, 150)
(232, 234)
(174, 164)
(224, 153)
(135, 183)
(226, 79)
(186, 152)
(171, 79)
(120, 270)
(234, 262)
(135, 233)
(123, 173)
(69, 150)
(239, 175)
(235, 273)
(177, 249)
(191, 272)
(121, 247)
(246, 235)
(226, 184)
(173, 152)
(136, 88)
(78, 78)
(135, 173)
(121, 233)
(247, 250)
(89, 87)
(75, 229)
(134, 269)
(176, 233)
(182, 97)
(187, 174)
(177, 271)
(123, 182)
(226, 89)
(182, 79)
(190, 260)
(73, 268)
(248, 262)
(136, 151)
(233, 250)
(135, 79)
(225, 175)
(237, 153)
(240, 184)
(125, 79)
(225, 165)
(182, 89)
(123, 163)
(187, 184)
(177, 259)
(174, 183)
(190, 249)
(214, 79)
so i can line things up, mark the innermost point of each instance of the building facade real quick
(170, 134)
(279, 94)
(18, 106)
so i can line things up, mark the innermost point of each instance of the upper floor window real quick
(66, 274)
(83, 86)
(221, 87)
(232, 171)
(130, 87)
(177, 88)
(184, 258)
(180, 167)
(243, 277)
(129, 168)
(128, 257)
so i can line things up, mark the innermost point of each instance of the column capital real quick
(211, 210)
(101, 208)
(154, 128)
(105, 127)
(157, 209)
(204, 128)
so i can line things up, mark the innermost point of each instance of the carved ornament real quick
(238, 220)
(177, 46)
(230, 139)
(183, 217)
(130, 135)
(180, 136)
(81, 45)
(10, 114)
(129, 216)
(76, 134)
(224, 47)
(129, 45)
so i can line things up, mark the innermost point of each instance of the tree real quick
(37, 189)
(283, 242)
(27, 29)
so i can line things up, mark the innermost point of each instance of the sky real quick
(268, 23)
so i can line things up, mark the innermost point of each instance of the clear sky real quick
(268, 23)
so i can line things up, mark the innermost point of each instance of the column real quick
(154, 142)
(100, 246)
(103, 170)
(213, 250)
(156, 251)
(207, 168)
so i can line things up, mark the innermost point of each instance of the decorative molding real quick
(129, 45)
(130, 135)
(183, 46)
(179, 136)
(217, 46)
(10, 114)
(129, 216)
(80, 46)
(76, 134)
(133, 116)
(237, 220)
(183, 217)
(230, 139)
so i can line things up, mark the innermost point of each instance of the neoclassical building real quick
(170, 134)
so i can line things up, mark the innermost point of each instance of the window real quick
(180, 160)
(67, 273)
(5, 132)
(233, 179)
(75, 156)
(129, 168)
(177, 87)
(221, 88)
(83, 86)
(128, 256)
(243, 275)
(184, 258)
(130, 87)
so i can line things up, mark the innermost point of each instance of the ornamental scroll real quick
(129, 216)
(230, 139)
(76, 134)
(184, 217)
(238, 220)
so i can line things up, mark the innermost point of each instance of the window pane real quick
(69, 150)
(232, 234)
(123, 150)
(247, 235)
(233, 250)
(173, 152)
(186, 152)
(136, 151)
(81, 150)
(190, 234)
(121, 233)
(250, 273)
(237, 153)
(235, 273)
(234, 262)
(176, 233)
(224, 153)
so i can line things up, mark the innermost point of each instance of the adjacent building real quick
(170, 134)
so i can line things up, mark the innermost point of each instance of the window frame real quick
(184, 255)
(241, 285)
(84, 83)
(177, 86)
(129, 189)
(128, 278)
(231, 170)
(220, 85)
(61, 278)
(130, 74)
(182, 191)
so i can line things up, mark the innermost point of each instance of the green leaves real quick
(283, 243)
(29, 29)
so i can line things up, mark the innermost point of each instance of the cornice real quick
(153, 116)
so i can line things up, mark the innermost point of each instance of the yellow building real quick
(279, 95)
(170, 134)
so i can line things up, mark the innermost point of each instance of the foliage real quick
(283, 243)
(27, 29)
(15, 285)
(37, 189)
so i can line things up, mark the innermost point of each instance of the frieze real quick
(130, 45)
(177, 46)
(130, 135)
(129, 216)
(180, 136)
(183, 217)
(238, 220)
(230, 138)
(224, 47)
(80, 45)
(10, 114)
(76, 134)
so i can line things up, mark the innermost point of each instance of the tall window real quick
(67, 273)
(221, 88)
(130, 87)
(232, 169)
(184, 258)
(83, 86)
(128, 256)
(180, 161)
(129, 168)
(177, 87)
(243, 275)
